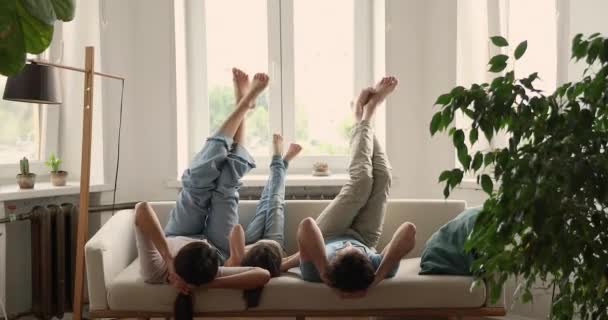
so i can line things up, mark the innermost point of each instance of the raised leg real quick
(268, 222)
(191, 209)
(367, 226)
(225, 197)
(240, 81)
(337, 218)
(232, 124)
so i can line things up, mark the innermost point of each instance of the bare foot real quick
(293, 150)
(240, 80)
(277, 144)
(260, 81)
(362, 100)
(382, 90)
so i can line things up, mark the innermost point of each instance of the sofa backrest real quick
(427, 215)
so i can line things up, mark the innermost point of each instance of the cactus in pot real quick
(58, 177)
(25, 179)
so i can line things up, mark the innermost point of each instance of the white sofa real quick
(116, 290)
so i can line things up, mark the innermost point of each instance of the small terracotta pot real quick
(59, 178)
(26, 181)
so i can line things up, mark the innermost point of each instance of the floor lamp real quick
(35, 84)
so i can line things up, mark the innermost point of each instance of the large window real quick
(316, 53)
(534, 21)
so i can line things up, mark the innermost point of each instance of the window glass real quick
(237, 38)
(19, 130)
(324, 74)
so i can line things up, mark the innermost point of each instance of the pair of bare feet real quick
(370, 98)
(243, 88)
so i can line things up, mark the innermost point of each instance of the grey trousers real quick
(359, 208)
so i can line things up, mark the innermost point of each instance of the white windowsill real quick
(10, 192)
(293, 180)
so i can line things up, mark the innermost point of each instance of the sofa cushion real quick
(407, 289)
(444, 252)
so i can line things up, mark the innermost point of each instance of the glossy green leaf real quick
(520, 50)
(37, 35)
(473, 135)
(445, 175)
(497, 67)
(464, 158)
(26, 26)
(436, 123)
(499, 41)
(488, 159)
(486, 184)
(444, 99)
(458, 138)
(64, 9)
(12, 47)
(477, 161)
(498, 59)
(42, 10)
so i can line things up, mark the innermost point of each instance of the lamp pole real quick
(85, 179)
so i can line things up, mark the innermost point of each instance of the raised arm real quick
(312, 245)
(147, 221)
(402, 243)
(290, 262)
(243, 278)
(237, 246)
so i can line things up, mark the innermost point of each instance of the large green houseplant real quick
(26, 26)
(545, 218)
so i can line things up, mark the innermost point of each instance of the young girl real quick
(261, 244)
(192, 248)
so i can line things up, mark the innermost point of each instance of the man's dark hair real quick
(196, 263)
(351, 272)
(266, 256)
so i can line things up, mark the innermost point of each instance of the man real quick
(338, 248)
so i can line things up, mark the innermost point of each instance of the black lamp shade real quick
(34, 84)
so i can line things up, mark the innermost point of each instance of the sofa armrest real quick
(107, 253)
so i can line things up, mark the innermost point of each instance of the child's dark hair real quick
(266, 256)
(196, 263)
(351, 272)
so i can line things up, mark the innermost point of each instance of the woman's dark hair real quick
(196, 263)
(266, 256)
(351, 272)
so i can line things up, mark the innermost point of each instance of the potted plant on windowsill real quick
(58, 177)
(545, 218)
(25, 179)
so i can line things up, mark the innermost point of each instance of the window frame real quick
(281, 70)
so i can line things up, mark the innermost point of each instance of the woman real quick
(194, 244)
(261, 244)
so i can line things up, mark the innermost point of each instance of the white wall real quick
(138, 43)
(421, 52)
